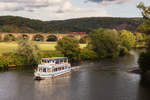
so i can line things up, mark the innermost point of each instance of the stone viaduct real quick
(44, 36)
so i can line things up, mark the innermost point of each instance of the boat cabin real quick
(49, 65)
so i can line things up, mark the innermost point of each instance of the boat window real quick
(44, 69)
(48, 70)
(59, 68)
(65, 67)
(40, 69)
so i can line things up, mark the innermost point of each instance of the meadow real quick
(6, 47)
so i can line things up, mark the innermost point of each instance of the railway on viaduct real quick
(40, 36)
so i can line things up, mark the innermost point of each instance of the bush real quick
(11, 59)
(4, 61)
(29, 51)
(88, 54)
(104, 42)
(69, 47)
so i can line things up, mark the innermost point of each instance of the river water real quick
(104, 80)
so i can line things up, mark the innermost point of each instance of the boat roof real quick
(54, 58)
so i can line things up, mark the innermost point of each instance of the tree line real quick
(101, 44)
(144, 60)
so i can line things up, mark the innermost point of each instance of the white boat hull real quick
(49, 75)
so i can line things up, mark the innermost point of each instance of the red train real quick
(79, 33)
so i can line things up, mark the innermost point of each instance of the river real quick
(104, 80)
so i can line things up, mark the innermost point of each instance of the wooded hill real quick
(21, 24)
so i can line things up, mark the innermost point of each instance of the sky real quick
(47, 10)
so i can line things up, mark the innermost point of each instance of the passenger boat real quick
(50, 67)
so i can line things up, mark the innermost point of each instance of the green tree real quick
(69, 47)
(144, 61)
(127, 39)
(104, 42)
(144, 10)
(29, 51)
(145, 26)
(88, 54)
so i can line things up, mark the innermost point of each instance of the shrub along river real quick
(104, 80)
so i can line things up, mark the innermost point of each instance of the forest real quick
(18, 24)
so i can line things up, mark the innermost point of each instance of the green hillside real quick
(88, 24)
(22, 25)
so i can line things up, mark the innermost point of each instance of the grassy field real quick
(6, 47)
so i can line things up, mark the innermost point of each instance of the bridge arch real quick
(52, 38)
(23, 36)
(38, 37)
(9, 37)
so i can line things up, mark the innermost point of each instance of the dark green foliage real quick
(88, 54)
(144, 61)
(25, 25)
(88, 24)
(15, 59)
(144, 27)
(11, 59)
(69, 47)
(22, 25)
(105, 43)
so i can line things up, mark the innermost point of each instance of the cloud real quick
(28, 5)
(82, 12)
(66, 7)
(109, 2)
(48, 9)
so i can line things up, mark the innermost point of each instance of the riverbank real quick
(14, 67)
